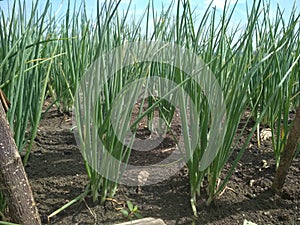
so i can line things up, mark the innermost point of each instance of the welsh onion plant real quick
(78, 41)
(109, 36)
(230, 62)
(279, 38)
(25, 67)
(109, 30)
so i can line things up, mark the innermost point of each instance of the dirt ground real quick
(57, 175)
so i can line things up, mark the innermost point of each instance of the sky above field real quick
(138, 7)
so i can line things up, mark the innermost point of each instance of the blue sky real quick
(138, 6)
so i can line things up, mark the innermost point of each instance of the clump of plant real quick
(131, 211)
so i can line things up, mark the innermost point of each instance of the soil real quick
(57, 175)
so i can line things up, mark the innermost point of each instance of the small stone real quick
(265, 164)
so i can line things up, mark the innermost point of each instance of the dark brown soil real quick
(57, 175)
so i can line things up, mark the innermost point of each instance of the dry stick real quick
(4, 101)
(288, 153)
(13, 180)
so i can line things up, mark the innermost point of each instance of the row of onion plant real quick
(233, 57)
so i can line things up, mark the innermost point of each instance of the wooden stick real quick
(288, 153)
(4, 101)
(13, 180)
